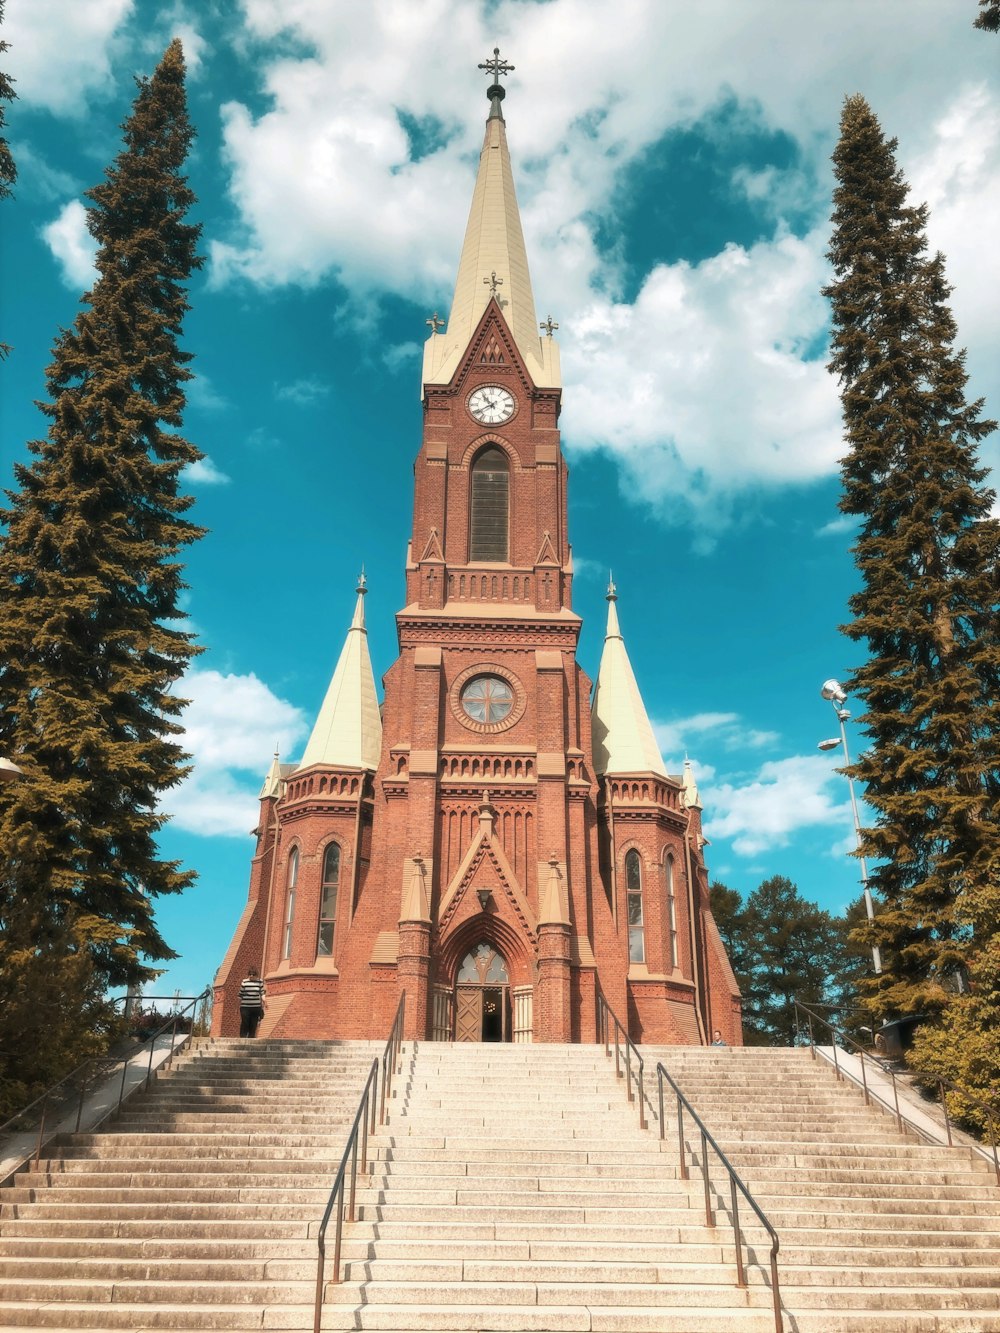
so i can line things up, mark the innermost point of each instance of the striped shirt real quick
(252, 993)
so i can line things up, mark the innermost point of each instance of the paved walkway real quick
(16, 1149)
(927, 1117)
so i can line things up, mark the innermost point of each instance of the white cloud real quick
(731, 333)
(37, 177)
(202, 393)
(837, 527)
(232, 725)
(61, 51)
(303, 392)
(717, 730)
(72, 246)
(205, 473)
(785, 795)
(711, 389)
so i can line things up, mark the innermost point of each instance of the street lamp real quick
(837, 695)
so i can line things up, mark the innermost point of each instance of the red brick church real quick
(498, 840)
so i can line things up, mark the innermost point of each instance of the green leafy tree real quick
(90, 641)
(784, 948)
(794, 953)
(989, 19)
(927, 555)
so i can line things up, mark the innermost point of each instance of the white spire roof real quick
(348, 731)
(622, 735)
(494, 245)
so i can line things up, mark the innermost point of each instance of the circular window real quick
(487, 699)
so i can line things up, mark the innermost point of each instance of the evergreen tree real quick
(927, 555)
(783, 948)
(90, 646)
(8, 169)
(989, 19)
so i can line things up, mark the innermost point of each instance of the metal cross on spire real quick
(497, 66)
(494, 282)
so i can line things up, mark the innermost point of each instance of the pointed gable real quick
(622, 734)
(348, 730)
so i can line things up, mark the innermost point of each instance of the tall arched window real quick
(490, 507)
(291, 879)
(633, 890)
(328, 901)
(668, 877)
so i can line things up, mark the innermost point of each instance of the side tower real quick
(486, 846)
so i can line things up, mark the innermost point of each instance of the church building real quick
(500, 841)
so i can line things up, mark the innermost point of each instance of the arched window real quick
(489, 516)
(328, 901)
(633, 890)
(668, 877)
(291, 879)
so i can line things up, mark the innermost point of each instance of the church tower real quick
(492, 845)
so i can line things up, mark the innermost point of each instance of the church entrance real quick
(482, 997)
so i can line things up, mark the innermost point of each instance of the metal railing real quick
(606, 1019)
(371, 1105)
(98, 1070)
(736, 1187)
(884, 1068)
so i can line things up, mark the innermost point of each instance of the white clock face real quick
(491, 404)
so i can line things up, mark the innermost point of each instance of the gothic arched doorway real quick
(482, 996)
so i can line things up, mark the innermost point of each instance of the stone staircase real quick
(194, 1210)
(878, 1230)
(512, 1190)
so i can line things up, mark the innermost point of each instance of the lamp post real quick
(837, 695)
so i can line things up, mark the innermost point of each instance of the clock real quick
(491, 405)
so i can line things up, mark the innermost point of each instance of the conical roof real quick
(622, 735)
(348, 730)
(493, 250)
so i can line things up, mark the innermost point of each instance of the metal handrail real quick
(364, 1121)
(87, 1083)
(604, 1013)
(736, 1187)
(885, 1068)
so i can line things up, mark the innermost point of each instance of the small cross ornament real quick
(436, 322)
(549, 325)
(494, 282)
(496, 66)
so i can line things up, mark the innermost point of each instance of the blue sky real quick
(672, 163)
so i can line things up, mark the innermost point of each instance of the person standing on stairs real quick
(253, 1000)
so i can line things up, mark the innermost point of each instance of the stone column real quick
(414, 958)
(554, 1019)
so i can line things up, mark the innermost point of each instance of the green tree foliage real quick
(8, 169)
(783, 948)
(927, 555)
(989, 19)
(90, 644)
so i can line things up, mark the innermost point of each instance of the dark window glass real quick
(328, 901)
(633, 887)
(490, 506)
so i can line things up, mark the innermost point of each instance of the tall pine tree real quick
(8, 169)
(927, 556)
(90, 641)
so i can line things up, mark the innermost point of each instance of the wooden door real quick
(469, 1014)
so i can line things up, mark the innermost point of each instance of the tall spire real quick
(348, 730)
(622, 735)
(494, 262)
